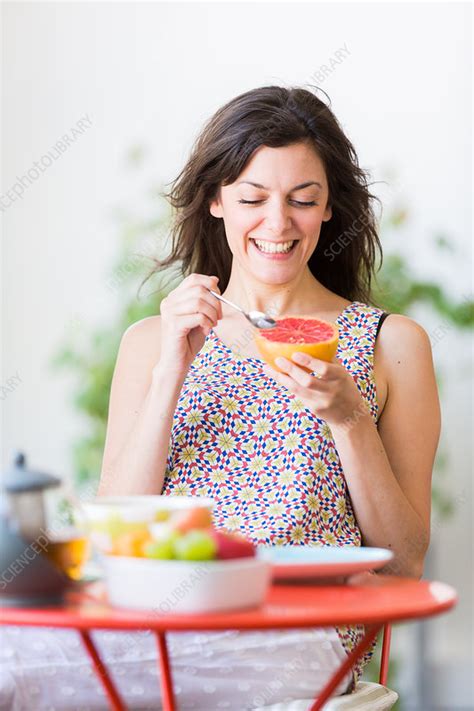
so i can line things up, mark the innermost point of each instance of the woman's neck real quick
(306, 295)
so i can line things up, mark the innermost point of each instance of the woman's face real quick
(279, 199)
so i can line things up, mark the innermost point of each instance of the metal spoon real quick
(256, 318)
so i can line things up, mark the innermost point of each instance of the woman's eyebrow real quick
(297, 187)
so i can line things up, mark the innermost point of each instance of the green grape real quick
(195, 545)
(163, 549)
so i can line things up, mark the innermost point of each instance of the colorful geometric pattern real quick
(268, 462)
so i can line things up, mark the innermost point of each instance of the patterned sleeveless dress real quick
(268, 462)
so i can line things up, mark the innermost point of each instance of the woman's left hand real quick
(330, 394)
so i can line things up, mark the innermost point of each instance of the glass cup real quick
(68, 545)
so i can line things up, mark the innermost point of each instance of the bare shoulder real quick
(401, 339)
(402, 354)
(146, 327)
(141, 341)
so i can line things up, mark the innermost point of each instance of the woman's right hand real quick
(187, 315)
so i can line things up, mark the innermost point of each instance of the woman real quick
(343, 455)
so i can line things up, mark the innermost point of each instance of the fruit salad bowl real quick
(163, 553)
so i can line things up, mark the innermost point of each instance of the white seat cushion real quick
(366, 697)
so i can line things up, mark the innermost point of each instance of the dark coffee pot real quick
(27, 577)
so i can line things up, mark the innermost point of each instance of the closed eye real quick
(295, 202)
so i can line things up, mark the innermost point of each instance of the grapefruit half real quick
(305, 334)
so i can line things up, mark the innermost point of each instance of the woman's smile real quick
(280, 251)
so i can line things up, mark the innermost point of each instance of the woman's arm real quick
(143, 399)
(388, 470)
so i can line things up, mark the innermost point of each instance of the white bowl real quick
(175, 586)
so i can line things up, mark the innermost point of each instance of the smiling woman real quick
(321, 453)
(322, 191)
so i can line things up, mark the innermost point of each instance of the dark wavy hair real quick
(274, 116)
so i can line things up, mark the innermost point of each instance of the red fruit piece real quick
(232, 545)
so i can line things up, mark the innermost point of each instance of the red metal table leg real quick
(346, 666)
(165, 673)
(384, 661)
(116, 703)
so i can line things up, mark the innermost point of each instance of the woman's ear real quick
(215, 205)
(215, 208)
(327, 213)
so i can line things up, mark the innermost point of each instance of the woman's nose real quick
(277, 217)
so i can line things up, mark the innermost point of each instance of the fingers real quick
(323, 368)
(302, 377)
(198, 298)
(187, 322)
(201, 284)
(208, 282)
(193, 298)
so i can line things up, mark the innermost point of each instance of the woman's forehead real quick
(283, 167)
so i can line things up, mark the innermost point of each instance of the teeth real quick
(282, 248)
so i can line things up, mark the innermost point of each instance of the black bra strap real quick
(381, 320)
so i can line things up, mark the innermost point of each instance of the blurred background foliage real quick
(90, 354)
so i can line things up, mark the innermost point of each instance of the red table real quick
(379, 601)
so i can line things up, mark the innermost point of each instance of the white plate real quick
(305, 562)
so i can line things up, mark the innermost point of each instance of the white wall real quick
(152, 73)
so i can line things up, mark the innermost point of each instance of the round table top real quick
(380, 599)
